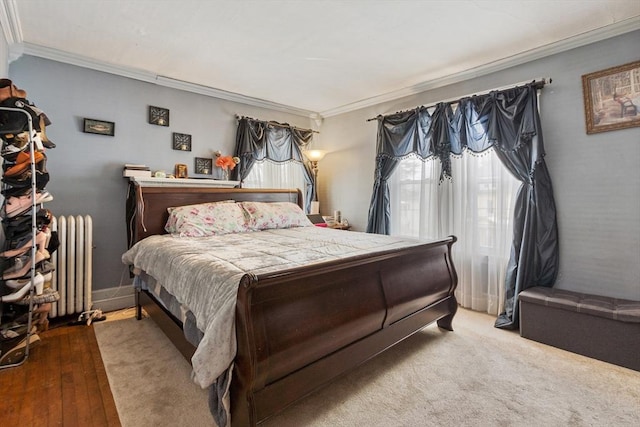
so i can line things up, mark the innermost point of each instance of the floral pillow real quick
(263, 216)
(206, 219)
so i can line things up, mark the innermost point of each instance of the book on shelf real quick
(131, 166)
(136, 172)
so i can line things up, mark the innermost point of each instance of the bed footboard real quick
(300, 329)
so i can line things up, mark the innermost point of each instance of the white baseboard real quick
(113, 299)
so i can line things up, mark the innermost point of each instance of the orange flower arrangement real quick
(227, 163)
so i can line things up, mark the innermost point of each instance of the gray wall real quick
(86, 169)
(596, 177)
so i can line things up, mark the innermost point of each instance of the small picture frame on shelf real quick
(99, 127)
(181, 171)
(204, 166)
(158, 116)
(181, 141)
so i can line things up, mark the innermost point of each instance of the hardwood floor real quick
(62, 383)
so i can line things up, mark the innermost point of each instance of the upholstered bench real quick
(600, 327)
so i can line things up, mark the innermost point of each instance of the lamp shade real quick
(315, 155)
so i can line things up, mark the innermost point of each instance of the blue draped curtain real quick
(259, 140)
(507, 120)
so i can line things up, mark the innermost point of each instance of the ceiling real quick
(307, 57)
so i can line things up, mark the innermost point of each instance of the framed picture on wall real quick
(181, 141)
(100, 127)
(204, 165)
(158, 116)
(612, 98)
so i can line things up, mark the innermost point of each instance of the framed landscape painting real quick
(612, 98)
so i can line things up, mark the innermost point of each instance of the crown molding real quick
(582, 39)
(16, 50)
(232, 96)
(83, 61)
(10, 22)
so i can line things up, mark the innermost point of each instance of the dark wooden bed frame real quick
(299, 329)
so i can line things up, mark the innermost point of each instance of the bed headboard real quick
(147, 206)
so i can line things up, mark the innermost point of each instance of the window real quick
(476, 206)
(413, 187)
(270, 174)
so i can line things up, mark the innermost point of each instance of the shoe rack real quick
(23, 301)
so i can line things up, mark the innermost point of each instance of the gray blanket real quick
(204, 273)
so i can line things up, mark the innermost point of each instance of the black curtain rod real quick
(276, 124)
(539, 84)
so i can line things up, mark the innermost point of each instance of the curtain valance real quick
(278, 142)
(504, 119)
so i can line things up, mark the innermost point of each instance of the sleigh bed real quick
(298, 327)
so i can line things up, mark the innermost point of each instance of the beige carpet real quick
(475, 376)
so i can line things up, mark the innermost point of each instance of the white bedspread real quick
(204, 273)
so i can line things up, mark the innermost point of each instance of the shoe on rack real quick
(17, 247)
(47, 277)
(41, 238)
(15, 206)
(44, 254)
(15, 296)
(40, 317)
(21, 266)
(16, 142)
(46, 230)
(12, 350)
(11, 152)
(17, 252)
(23, 162)
(12, 122)
(9, 90)
(13, 262)
(23, 156)
(20, 184)
(53, 243)
(45, 267)
(38, 283)
(15, 329)
(17, 228)
(42, 140)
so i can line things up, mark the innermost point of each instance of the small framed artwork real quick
(612, 98)
(204, 165)
(100, 127)
(181, 171)
(158, 116)
(181, 141)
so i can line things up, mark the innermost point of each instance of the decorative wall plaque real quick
(181, 141)
(204, 165)
(158, 116)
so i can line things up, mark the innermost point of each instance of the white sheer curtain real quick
(476, 205)
(270, 174)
